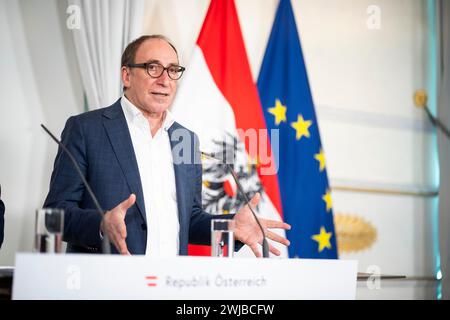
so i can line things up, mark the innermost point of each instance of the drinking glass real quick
(222, 238)
(49, 230)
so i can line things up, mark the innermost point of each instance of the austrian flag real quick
(218, 100)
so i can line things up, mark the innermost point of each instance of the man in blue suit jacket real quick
(106, 145)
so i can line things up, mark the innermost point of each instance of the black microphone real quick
(106, 248)
(265, 244)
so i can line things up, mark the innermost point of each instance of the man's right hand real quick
(113, 224)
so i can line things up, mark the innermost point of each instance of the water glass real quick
(222, 238)
(49, 230)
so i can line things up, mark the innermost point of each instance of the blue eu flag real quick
(288, 106)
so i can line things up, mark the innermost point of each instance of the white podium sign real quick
(70, 276)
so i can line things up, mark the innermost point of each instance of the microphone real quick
(106, 248)
(265, 244)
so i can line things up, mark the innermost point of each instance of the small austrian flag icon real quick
(151, 281)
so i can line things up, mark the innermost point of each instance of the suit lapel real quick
(119, 136)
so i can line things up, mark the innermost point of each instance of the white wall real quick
(362, 82)
(39, 84)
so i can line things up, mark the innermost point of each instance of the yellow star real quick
(279, 111)
(327, 198)
(321, 158)
(323, 238)
(301, 126)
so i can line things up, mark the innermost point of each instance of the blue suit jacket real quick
(101, 144)
(2, 221)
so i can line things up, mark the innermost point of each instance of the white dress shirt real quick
(154, 158)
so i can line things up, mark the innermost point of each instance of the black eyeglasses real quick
(155, 69)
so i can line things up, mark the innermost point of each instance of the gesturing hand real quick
(113, 224)
(247, 230)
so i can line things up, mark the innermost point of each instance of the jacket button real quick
(144, 226)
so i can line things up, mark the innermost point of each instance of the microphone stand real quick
(106, 247)
(265, 244)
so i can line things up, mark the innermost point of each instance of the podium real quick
(76, 276)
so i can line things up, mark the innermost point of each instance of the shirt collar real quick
(132, 112)
(168, 120)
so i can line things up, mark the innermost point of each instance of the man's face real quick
(151, 95)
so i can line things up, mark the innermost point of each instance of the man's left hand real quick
(248, 232)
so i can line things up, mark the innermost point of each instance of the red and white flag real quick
(218, 100)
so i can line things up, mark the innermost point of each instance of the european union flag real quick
(288, 106)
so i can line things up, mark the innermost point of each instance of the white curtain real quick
(444, 146)
(105, 30)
